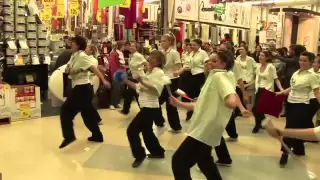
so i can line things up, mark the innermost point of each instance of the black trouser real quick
(79, 100)
(142, 123)
(196, 83)
(258, 116)
(314, 107)
(192, 152)
(231, 126)
(172, 112)
(223, 152)
(298, 117)
(240, 94)
(129, 94)
(96, 115)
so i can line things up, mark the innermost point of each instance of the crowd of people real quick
(215, 83)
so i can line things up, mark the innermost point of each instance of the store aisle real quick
(29, 150)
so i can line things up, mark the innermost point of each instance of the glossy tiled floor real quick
(29, 151)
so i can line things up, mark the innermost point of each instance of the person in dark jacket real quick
(292, 64)
(63, 58)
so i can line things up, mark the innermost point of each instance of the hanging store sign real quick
(60, 11)
(46, 14)
(48, 2)
(211, 13)
(60, 2)
(74, 9)
(126, 4)
(187, 10)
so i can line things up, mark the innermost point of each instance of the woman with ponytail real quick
(171, 69)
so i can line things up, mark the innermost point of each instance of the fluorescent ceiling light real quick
(150, 1)
(266, 2)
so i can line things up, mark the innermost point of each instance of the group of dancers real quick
(216, 82)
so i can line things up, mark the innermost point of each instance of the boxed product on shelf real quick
(10, 59)
(21, 11)
(21, 28)
(8, 19)
(8, 27)
(8, 34)
(11, 52)
(32, 27)
(21, 20)
(43, 50)
(8, 10)
(5, 104)
(42, 35)
(20, 35)
(33, 51)
(23, 51)
(26, 59)
(32, 43)
(32, 35)
(31, 19)
(8, 2)
(43, 42)
(25, 102)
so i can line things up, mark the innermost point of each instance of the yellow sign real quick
(48, 2)
(25, 113)
(74, 9)
(60, 2)
(126, 4)
(46, 14)
(60, 11)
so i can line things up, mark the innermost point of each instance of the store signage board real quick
(60, 11)
(48, 2)
(60, 2)
(106, 3)
(211, 13)
(187, 10)
(74, 9)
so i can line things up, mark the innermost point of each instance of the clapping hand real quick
(174, 101)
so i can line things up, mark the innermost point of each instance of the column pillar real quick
(164, 15)
(110, 22)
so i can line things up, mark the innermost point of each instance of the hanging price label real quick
(25, 113)
(74, 9)
(60, 11)
(48, 2)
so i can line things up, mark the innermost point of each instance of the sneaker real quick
(137, 162)
(112, 107)
(230, 139)
(124, 113)
(219, 163)
(283, 160)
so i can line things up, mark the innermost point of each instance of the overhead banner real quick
(187, 10)
(106, 3)
(126, 4)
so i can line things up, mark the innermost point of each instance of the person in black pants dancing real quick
(171, 69)
(149, 89)
(211, 115)
(80, 99)
(136, 69)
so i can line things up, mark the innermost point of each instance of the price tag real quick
(25, 113)
(74, 9)
(48, 2)
(60, 11)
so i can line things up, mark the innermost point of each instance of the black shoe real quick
(256, 129)
(298, 153)
(151, 156)
(137, 162)
(98, 139)
(124, 113)
(66, 142)
(284, 160)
